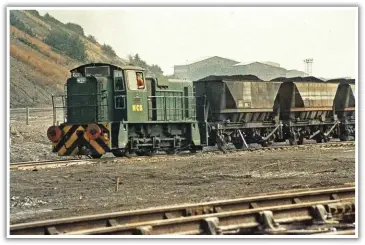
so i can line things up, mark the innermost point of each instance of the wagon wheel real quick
(292, 141)
(221, 144)
(344, 136)
(320, 138)
(300, 140)
(265, 144)
(238, 143)
(326, 139)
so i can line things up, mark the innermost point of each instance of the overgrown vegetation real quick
(52, 19)
(75, 27)
(41, 46)
(67, 43)
(44, 66)
(14, 21)
(92, 39)
(108, 50)
(26, 42)
(34, 12)
(137, 61)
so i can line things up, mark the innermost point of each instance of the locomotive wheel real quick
(145, 152)
(149, 153)
(139, 153)
(118, 153)
(300, 140)
(171, 151)
(193, 149)
(96, 156)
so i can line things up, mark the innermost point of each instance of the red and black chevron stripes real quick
(74, 139)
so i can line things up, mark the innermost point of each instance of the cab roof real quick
(126, 67)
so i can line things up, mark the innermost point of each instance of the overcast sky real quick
(173, 36)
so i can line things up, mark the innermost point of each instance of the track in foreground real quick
(313, 211)
(70, 162)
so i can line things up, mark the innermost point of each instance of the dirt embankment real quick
(38, 70)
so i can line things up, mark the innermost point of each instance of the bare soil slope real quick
(36, 69)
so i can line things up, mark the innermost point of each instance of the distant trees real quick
(75, 27)
(67, 43)
(50, 18)
(156, 69)
(138, 61)
(108, 50)
(92, 39)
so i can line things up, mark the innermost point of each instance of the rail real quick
(319, 210)
(32, 165)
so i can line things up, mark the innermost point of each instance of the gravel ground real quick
(156, 181)
(30, 142)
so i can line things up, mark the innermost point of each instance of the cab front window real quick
(118, 81)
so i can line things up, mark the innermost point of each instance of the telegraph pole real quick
(308, 66)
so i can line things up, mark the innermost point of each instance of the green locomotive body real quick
(117, 109)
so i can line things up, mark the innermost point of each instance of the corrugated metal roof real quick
(231, 78)
(204, 58)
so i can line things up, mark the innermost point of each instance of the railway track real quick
(69, 162)
(313, 211)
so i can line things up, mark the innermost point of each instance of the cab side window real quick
(140, 80)
(135, 80)
(118, 81)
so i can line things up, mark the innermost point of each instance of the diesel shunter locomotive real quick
(117, 109)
